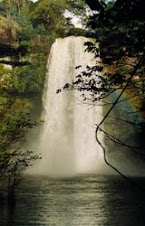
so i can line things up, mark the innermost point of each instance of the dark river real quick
(79, 201)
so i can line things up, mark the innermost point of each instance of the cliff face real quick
(9, 33)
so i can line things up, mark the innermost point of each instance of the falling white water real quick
(67, 139)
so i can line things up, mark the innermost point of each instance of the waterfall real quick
(67, 137)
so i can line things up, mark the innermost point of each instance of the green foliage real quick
(9, 32)
(120, 28)
(50, 15)
(12, 116)
(27, 31)
(14, 8)
(5, 79)
(15, 122)
(77, 32)
(30, 79)
(47, 11)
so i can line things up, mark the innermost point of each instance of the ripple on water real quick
(79, 201)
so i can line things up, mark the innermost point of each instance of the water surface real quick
(79, 201)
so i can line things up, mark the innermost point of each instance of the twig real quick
(106, 116)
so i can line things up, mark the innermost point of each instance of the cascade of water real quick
(67, 140)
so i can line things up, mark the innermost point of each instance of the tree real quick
(50, 15)
(14, 8)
